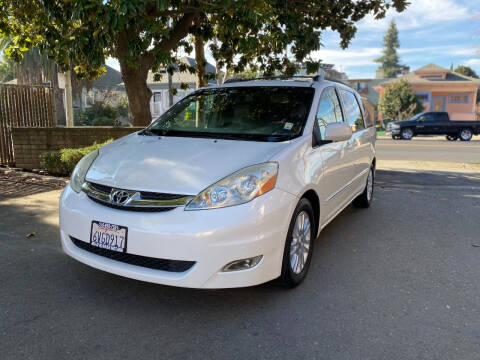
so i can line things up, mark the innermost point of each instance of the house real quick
(159, 101)
(441, 89)
(370, 96)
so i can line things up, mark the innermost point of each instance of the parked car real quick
(229, 188)
(433, 123)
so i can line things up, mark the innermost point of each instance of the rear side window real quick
(329, 110)
(352, 110)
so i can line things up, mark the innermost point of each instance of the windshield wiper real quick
(146, 132)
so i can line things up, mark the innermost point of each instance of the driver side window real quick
(328, 111)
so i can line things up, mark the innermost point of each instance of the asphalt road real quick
(399, 280)
(429, 150)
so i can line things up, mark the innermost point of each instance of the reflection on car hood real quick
(175, 165)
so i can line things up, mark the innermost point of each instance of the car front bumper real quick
(210, 238)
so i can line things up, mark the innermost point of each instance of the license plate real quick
(109, 236)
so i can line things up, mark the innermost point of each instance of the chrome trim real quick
(134, 199)
(346, 185)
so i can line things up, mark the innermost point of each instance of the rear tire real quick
(465, 134)
(365, 198)
(451, 138)
(406, 134)
(298, 250)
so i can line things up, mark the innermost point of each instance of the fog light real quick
(242, 264)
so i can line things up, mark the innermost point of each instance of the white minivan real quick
(229, 188)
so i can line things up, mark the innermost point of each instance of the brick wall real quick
(29, 143)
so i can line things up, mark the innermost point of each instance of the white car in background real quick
(228, 188)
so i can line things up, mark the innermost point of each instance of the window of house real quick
(157, 97)
(459, 99)
(352, 110)
(329, 110)
(423, 96)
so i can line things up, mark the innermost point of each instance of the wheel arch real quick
(311, 195)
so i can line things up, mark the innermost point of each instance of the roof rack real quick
(314, 78)
(279, 77)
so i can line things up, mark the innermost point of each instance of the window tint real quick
(329, 110)
(352, 110)
(428, 117)
(270, 113)
(441, 116)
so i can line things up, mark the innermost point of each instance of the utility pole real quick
(68, 98)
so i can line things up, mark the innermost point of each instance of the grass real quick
(381, 133)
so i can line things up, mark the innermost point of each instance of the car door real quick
(357, 151)
(332, 176)
(425, 124)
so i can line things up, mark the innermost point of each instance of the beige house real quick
(441, 89)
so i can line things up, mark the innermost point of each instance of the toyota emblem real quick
(119, 197)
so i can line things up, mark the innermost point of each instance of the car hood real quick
(175, 165)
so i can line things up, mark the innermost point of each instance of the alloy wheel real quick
(300, 246)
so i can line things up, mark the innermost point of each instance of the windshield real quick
(415, 117)
(239, 113)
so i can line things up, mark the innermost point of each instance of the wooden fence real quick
(22, 106)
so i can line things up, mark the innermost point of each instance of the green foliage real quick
(149, 34)
(399, 102)
(390, 63)
(466, 70)
(99, 110)
(105, 121)
(7, 71)
(122, 107)
(63, 161)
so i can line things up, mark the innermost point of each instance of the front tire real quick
(298, 245)
(406, 134)
(465, 134)
(365, 198)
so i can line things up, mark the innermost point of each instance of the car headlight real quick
(78, 174)
(237, 188)
(394, 126)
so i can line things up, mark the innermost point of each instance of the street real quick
(396, 281)
(424, 149)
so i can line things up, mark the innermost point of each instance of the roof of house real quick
(181, 77)
(108, 80)
(414, 77)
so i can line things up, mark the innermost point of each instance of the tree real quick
(147, 35)
(466, 70)
(399, 102)
(390, 63)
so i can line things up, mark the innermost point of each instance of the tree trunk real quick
(200, 63)
(138, 93)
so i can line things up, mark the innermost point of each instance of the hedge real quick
(63, 161)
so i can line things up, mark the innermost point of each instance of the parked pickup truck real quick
(433, 123)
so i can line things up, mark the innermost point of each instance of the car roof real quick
(286, 82)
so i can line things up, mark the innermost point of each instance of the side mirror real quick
(338, 132)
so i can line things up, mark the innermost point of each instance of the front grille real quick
(138, 260)
(147, 195)
(145, 201)
(131, 208)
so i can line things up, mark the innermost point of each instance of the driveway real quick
(397, 281)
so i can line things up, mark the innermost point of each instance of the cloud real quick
(421, 13)
(472, 62)
(357, 57)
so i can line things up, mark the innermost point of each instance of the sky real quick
(444, 32)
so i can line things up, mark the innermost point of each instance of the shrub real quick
(97, 110)
(104, 121)
(63, 161)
